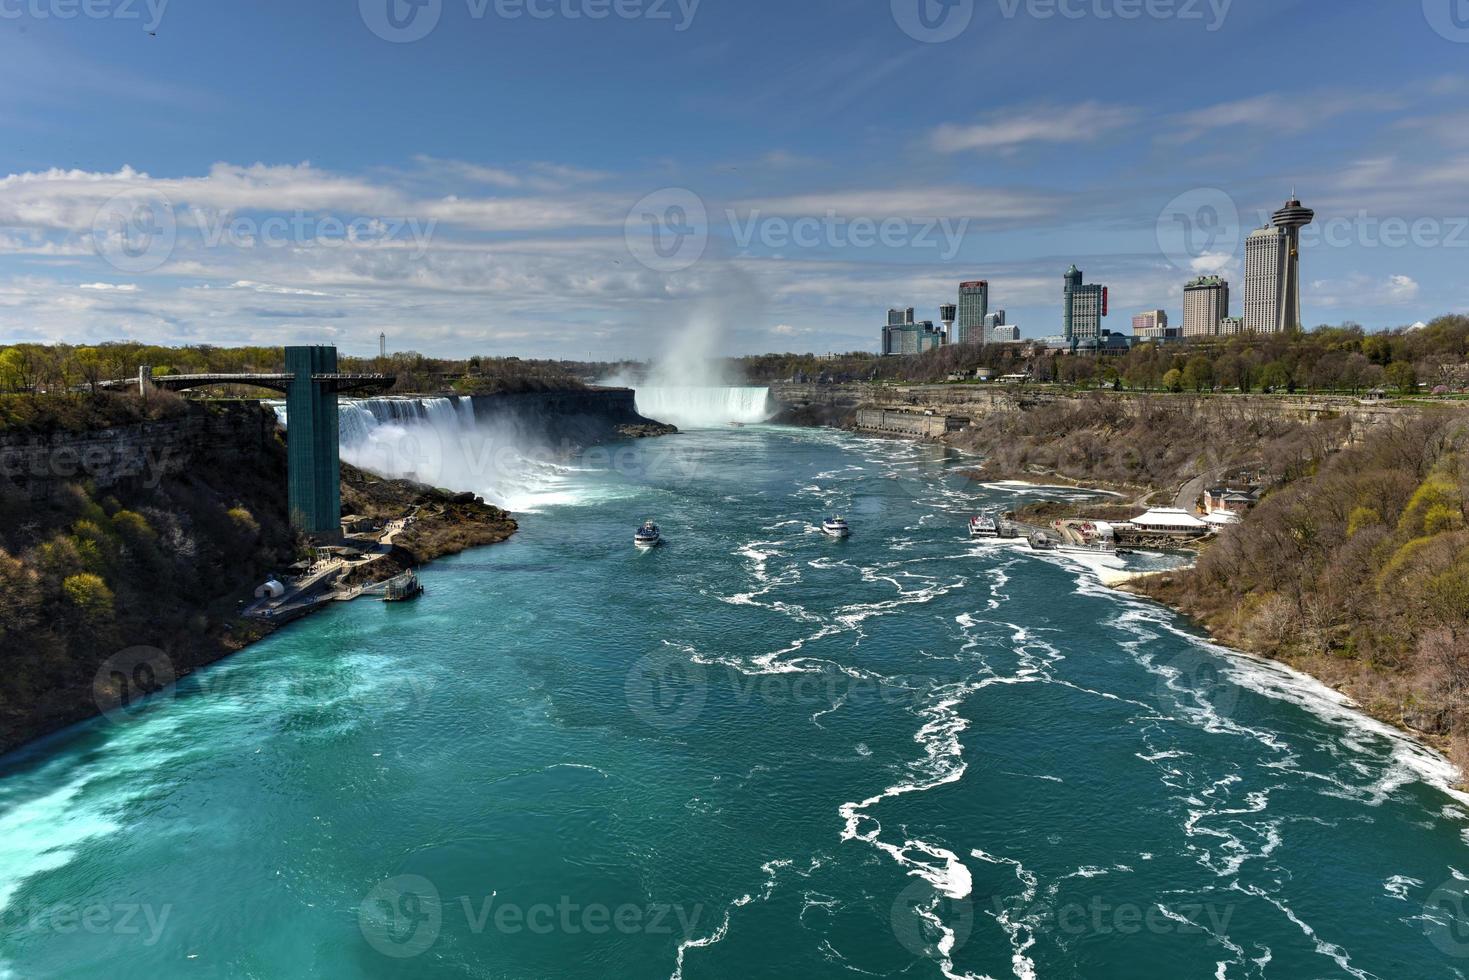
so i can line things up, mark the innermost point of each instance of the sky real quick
(597, 178)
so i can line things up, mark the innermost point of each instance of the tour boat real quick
(1040, 542)
(648, 536)
(837, 527)
(983, 526)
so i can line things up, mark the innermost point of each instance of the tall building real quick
(1205, 304)
(1291, 219)
(1084, 304)
(896, 318)
(1267, 266)
(948, 313)
(974, 306)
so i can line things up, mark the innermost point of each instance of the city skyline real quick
(470, 243)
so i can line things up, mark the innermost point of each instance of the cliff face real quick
(572, 419)
(151, 534)
(138, 536)
(35, 466)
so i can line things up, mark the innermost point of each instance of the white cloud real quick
(1359, 290)
(1081, 123)
(110, 287)
(911, 202)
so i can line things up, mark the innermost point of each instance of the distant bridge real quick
(326, 382)
(311, 384)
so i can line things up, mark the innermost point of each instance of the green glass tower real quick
(313, 442)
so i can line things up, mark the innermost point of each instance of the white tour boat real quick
(836, 527)
(648, 536)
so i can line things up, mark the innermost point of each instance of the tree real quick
(1198, 373)
(1173, 380)
(1402, 376)
(90, 596)
(1274, 375)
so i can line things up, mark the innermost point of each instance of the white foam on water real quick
(715, 937)
(1398, 885)
(1324, 948)
(42, 834)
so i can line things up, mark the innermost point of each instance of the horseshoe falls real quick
(697, 407)
(753, 752)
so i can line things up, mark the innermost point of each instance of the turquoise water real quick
(754, 752)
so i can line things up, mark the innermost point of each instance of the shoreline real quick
(1128, 584)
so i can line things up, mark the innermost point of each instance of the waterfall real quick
(703, 407)
(441, 442)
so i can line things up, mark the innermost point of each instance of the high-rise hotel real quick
(1273, 271)
(974, 306)
(1205, 306)
(1085, 305)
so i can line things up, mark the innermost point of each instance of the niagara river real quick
(756, 751)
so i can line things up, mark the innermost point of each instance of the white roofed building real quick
(1171, 521)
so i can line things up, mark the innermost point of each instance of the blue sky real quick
(273, 172)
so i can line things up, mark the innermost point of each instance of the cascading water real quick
(441, 442)
(703, 407)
